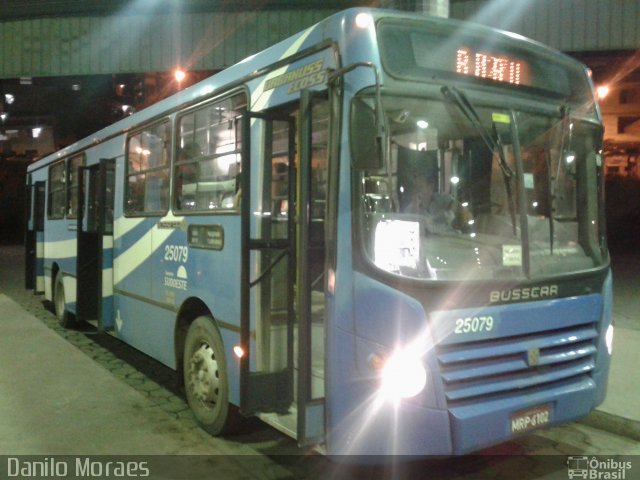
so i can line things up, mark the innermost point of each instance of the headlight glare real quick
(403, 376)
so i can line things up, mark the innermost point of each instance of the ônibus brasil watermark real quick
(597, 468)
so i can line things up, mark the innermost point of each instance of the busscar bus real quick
(382, 236)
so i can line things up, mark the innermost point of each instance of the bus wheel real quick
(205, 378)
(65, 319)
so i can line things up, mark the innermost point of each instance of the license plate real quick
(530, 419)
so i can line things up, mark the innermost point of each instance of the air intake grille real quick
(490, 368)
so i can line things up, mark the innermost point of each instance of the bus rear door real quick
(95, 243)
(34, 238)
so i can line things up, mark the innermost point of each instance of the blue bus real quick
(382, 236)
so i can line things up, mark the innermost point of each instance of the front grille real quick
(478, 370)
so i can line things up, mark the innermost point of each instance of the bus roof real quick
(331, 28)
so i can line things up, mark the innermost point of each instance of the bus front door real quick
(268, 265)
(284, 262)
(95, 242)
(312, 188)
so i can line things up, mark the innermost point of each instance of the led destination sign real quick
(486, 65)
(495, 62)
(426, 51)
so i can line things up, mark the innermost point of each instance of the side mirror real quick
(368, 135)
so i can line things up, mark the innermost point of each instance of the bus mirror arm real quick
(379, 118)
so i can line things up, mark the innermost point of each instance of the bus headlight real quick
(403, 376)
(608, 338)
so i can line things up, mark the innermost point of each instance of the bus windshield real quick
(479, 191)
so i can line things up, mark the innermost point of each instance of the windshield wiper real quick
(565, 117)
(493, 142)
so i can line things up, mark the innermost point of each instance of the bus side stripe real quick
(134, 256)
(60, 249)
(262, 99)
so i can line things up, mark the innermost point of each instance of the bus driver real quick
(437, 209)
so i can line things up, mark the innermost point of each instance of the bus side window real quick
(207, 168)
(148, 170)
(57, 204)
(72, 186)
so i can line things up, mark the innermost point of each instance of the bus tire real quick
(65, 319)
(206, 380)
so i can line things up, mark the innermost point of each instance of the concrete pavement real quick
(50, 386)
(55, 401)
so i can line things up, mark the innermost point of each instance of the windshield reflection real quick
(482, 192)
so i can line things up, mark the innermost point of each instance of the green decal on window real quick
(500, 118)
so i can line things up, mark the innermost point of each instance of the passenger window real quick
(208, 160)
(72, 185)
(57, 200)
(148, 171)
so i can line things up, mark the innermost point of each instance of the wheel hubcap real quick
(204, 375)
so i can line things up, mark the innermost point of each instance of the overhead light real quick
(36, 131)
(76, 87)
(422, 124)
(9, 98)
(179, 75)
(3, 116)
(602, 91)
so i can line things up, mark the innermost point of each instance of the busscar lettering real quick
(524, 293)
